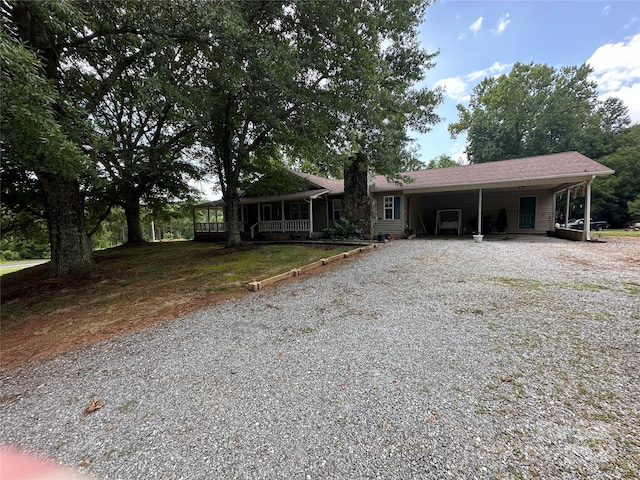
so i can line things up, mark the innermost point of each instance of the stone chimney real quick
(358, 207)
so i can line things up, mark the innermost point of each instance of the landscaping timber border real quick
(295, 272)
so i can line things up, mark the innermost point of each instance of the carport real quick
(474, 194)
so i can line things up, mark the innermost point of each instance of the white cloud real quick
(502, 23)
(495, 69)
(457, 153)
(616, 55)
(616, 69)
(630, 23)
(476, 26)
(454, 87)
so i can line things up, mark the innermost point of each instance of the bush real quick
(9, 256)
(342, 229)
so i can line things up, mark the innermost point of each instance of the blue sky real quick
(479, 38)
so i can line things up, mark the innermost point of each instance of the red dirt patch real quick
(132, 288)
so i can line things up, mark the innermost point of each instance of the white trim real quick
(587, 210)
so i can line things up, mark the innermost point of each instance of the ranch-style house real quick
(459, 200)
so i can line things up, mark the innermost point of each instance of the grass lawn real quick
(610, 232)
(131, 288)
(5, 270)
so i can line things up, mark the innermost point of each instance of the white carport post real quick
(587, 210)
(566, 207)
(479, 212)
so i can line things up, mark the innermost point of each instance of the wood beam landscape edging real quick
(296, 272)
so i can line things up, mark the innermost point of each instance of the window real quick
(391, 208)
(299, 211)
(337, 208)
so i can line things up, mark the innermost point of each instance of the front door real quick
(527, 217)
(266, 213)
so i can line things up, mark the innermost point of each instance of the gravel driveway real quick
(422, 359)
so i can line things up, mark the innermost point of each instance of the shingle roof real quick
(558, 165)
(544, 168)
(336, 186)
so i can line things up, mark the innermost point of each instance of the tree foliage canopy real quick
(310, 83)
(614, 196)
(442, 161)
(30, 132)
(535, 110)
(102, 97)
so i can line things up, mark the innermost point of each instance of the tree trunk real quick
(358, 206)
(70, 246)
(132, 214)
(231, 208)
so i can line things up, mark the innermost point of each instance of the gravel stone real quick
(438, 358)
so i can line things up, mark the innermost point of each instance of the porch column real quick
(282, 214)
(326, 200)
(566, 207)
(587, 210)
(310, 217)
(480, 212)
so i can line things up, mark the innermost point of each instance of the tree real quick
(443, 161)
(634, 208)
(35, 127)
(536, 110)
(143, 136)
(613, 196)
(379, 100)
(313, 82)
(83, 49)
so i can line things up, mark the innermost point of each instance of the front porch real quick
(256, 222)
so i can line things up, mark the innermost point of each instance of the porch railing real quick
(213, 227)
(284, 225)
(263, 226)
